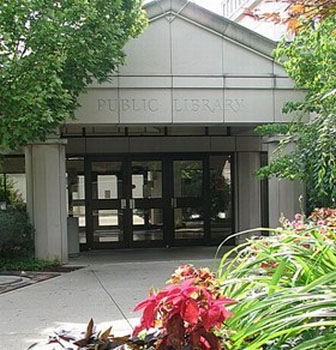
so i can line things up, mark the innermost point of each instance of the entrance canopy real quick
(191, 66)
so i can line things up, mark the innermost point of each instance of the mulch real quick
(33, 277)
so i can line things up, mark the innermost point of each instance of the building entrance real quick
(164, 200)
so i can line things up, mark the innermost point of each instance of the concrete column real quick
(283, 195)
(46, 198)
(248, 196)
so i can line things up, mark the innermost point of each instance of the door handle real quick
(123, 203)
(173, 203)
(132, 203)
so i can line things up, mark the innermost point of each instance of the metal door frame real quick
(167, 160)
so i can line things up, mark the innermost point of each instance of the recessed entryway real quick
(162, 200)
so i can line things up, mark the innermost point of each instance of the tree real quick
(310, 60)
(298, 14)
(49, 52)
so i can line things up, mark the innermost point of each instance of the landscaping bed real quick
(10, 281)
(24, 271)
(27, 264)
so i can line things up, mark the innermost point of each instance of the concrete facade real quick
(46, 202)
(190, 69)
(285, 197)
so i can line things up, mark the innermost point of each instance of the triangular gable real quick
(186, 39)
(223, 26)
(191, 66)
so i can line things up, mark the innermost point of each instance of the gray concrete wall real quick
(284, 195)
(46, 198)
(191, 67)
(248, 196)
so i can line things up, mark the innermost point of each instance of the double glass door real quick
(163, 201)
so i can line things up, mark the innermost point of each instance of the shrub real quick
(187, 313)
(284, 285)
(27, 264)
(16, 234)
(320, 218)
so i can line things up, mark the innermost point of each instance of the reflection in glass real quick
(189, 223)
(146, 179)
(107, 179)
(107, 224)
(147, 224)
(13, 180)
(221, 196)
(188, 178)
(76, 193)
(16, 186)
(78, 211)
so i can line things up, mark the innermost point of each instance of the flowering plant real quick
(324, 216)
(187, 312)
(322, 219)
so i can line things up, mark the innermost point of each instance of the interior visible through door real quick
(142, 201)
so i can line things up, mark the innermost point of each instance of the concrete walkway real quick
(107, 289)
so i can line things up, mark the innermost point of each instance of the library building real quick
(164, 154)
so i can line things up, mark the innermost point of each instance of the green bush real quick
(284, 285)
(27, 264)
(16, 234)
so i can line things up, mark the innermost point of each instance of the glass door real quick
(221, 197)
(75, 175)
(108, 215)
(188, 200)
(138, 201)
(146, 203)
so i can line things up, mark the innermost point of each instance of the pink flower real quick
(298, 216)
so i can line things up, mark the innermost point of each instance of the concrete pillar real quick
(248, 196)
(283, 195)
(46, 198)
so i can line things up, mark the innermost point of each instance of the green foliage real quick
(16, 234)
(272, 129)
(220, 198)
(26, 264)
(49, 52)
(310, 61)
(285, 288)
(9, 194)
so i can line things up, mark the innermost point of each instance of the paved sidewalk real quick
(106, 289)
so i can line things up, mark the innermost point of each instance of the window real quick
(13, 182)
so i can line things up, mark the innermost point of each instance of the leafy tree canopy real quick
(49, 52)
(310, 61)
